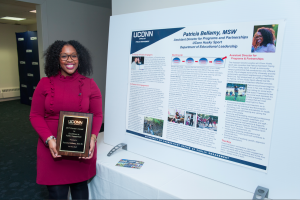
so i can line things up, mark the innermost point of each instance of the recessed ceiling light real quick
(13, 18)
(33, 11)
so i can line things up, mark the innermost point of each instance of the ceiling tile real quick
(14, 8)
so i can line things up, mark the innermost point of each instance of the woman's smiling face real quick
(68, 60)
(259, 38)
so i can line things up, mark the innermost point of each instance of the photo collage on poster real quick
(193, 119)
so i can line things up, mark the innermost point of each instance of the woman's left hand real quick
(92, 148)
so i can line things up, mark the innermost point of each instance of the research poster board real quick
(281, 148)
(208, 89)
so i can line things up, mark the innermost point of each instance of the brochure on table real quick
(207, 89)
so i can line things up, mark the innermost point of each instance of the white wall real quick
(68, 20)
(9, 72)
(32, 27)
(130, 6)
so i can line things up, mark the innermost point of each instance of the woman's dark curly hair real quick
(52, 66)
(268, 35)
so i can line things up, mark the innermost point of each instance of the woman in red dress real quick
(65, 89)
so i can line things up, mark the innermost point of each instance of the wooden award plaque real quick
(74, 134)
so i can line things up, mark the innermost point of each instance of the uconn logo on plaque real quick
(75, 122)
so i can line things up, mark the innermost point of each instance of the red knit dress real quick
(74, 93)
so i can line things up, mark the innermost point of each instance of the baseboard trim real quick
(9, 99)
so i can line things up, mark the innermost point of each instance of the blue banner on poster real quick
(144, 38)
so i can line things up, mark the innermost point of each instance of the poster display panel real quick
(208, 89)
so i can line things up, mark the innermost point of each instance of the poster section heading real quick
(207, 89)
(197, 39)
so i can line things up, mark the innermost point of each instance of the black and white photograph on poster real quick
(137, 63)
(153, 126)
(175, 116)
(236, 92)
(209, 122)
(264, 38)
(190, 119)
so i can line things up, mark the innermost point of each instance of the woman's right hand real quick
(52, 148)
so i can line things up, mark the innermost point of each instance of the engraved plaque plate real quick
(74, 134)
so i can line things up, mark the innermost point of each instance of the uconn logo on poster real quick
(139, 34)
(75, 122)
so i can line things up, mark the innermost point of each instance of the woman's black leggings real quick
(78, 191)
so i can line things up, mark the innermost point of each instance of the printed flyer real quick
(208, 89)
(130, 163)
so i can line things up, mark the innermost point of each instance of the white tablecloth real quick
(155, 180)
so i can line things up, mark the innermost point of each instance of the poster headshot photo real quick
(264, 38)
(137, 63)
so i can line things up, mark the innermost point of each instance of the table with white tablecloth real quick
(155, 180)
